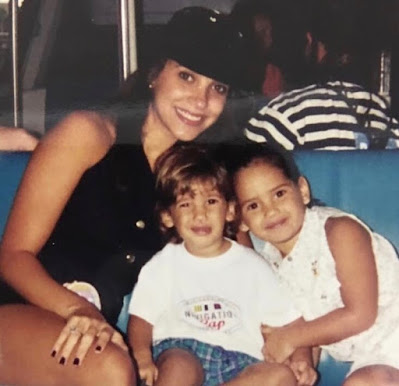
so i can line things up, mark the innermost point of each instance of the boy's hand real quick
(148, 372)
(305, 374)
(277, 347)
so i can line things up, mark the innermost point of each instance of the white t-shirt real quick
(218, 300)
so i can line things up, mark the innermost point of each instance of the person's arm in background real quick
(17, 139)
(78, 142)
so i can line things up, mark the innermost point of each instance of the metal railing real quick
(14, 53)
(128, 39)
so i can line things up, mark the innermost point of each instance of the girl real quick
(343, 276)
(107, 231)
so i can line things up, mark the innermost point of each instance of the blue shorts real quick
(219, 365)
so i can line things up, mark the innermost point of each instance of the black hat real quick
(205, 41)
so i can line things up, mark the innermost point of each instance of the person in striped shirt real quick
(336, 111)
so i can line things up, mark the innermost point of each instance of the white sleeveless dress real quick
(309, 274)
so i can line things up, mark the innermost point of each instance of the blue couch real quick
(365, 183)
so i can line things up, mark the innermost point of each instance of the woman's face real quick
(185, 103)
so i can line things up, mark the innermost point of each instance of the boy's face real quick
(199, 217)
(271, 205)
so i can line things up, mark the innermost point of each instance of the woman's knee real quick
(24, 363)
(112, 367)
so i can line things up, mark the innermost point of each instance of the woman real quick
(99, 198)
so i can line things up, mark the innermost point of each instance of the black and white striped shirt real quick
(332, 116)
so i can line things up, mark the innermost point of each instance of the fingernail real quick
(76, 361)
(62, 361)
(98, 348)
(53, 353)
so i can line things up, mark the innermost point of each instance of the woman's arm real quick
(56, 166)
(350, 244)
(140, 341)
(64, 154)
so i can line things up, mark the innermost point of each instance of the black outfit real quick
(108, 229)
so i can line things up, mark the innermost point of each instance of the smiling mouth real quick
(275, 224)
(188, 117)
(202, 230)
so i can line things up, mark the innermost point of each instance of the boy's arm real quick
(302, 363)
(140, 341)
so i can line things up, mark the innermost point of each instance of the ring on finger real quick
(74, 330)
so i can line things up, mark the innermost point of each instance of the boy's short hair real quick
(177, 168)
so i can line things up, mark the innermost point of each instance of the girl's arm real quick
(350, 244)
(140, 341)
(56, 166)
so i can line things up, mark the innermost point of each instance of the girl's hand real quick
(148, 372)
(277, 347)
(305, 374)
(85, 328)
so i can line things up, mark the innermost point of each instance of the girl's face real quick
(199, 217)
(272, 206)
(185, 103)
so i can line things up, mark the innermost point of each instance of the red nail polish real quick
(62, 361)
(76, 361)
(98, 348)
(53, 353)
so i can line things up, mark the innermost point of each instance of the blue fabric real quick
(219, 365)
(12, 166)
(364, 183)
(332, 372)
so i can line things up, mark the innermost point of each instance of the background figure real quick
(276, 34)
(337, 109)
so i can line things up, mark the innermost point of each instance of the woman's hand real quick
(277, 347)
(85, 328)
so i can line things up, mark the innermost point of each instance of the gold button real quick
(130, 258)
(140, 224)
